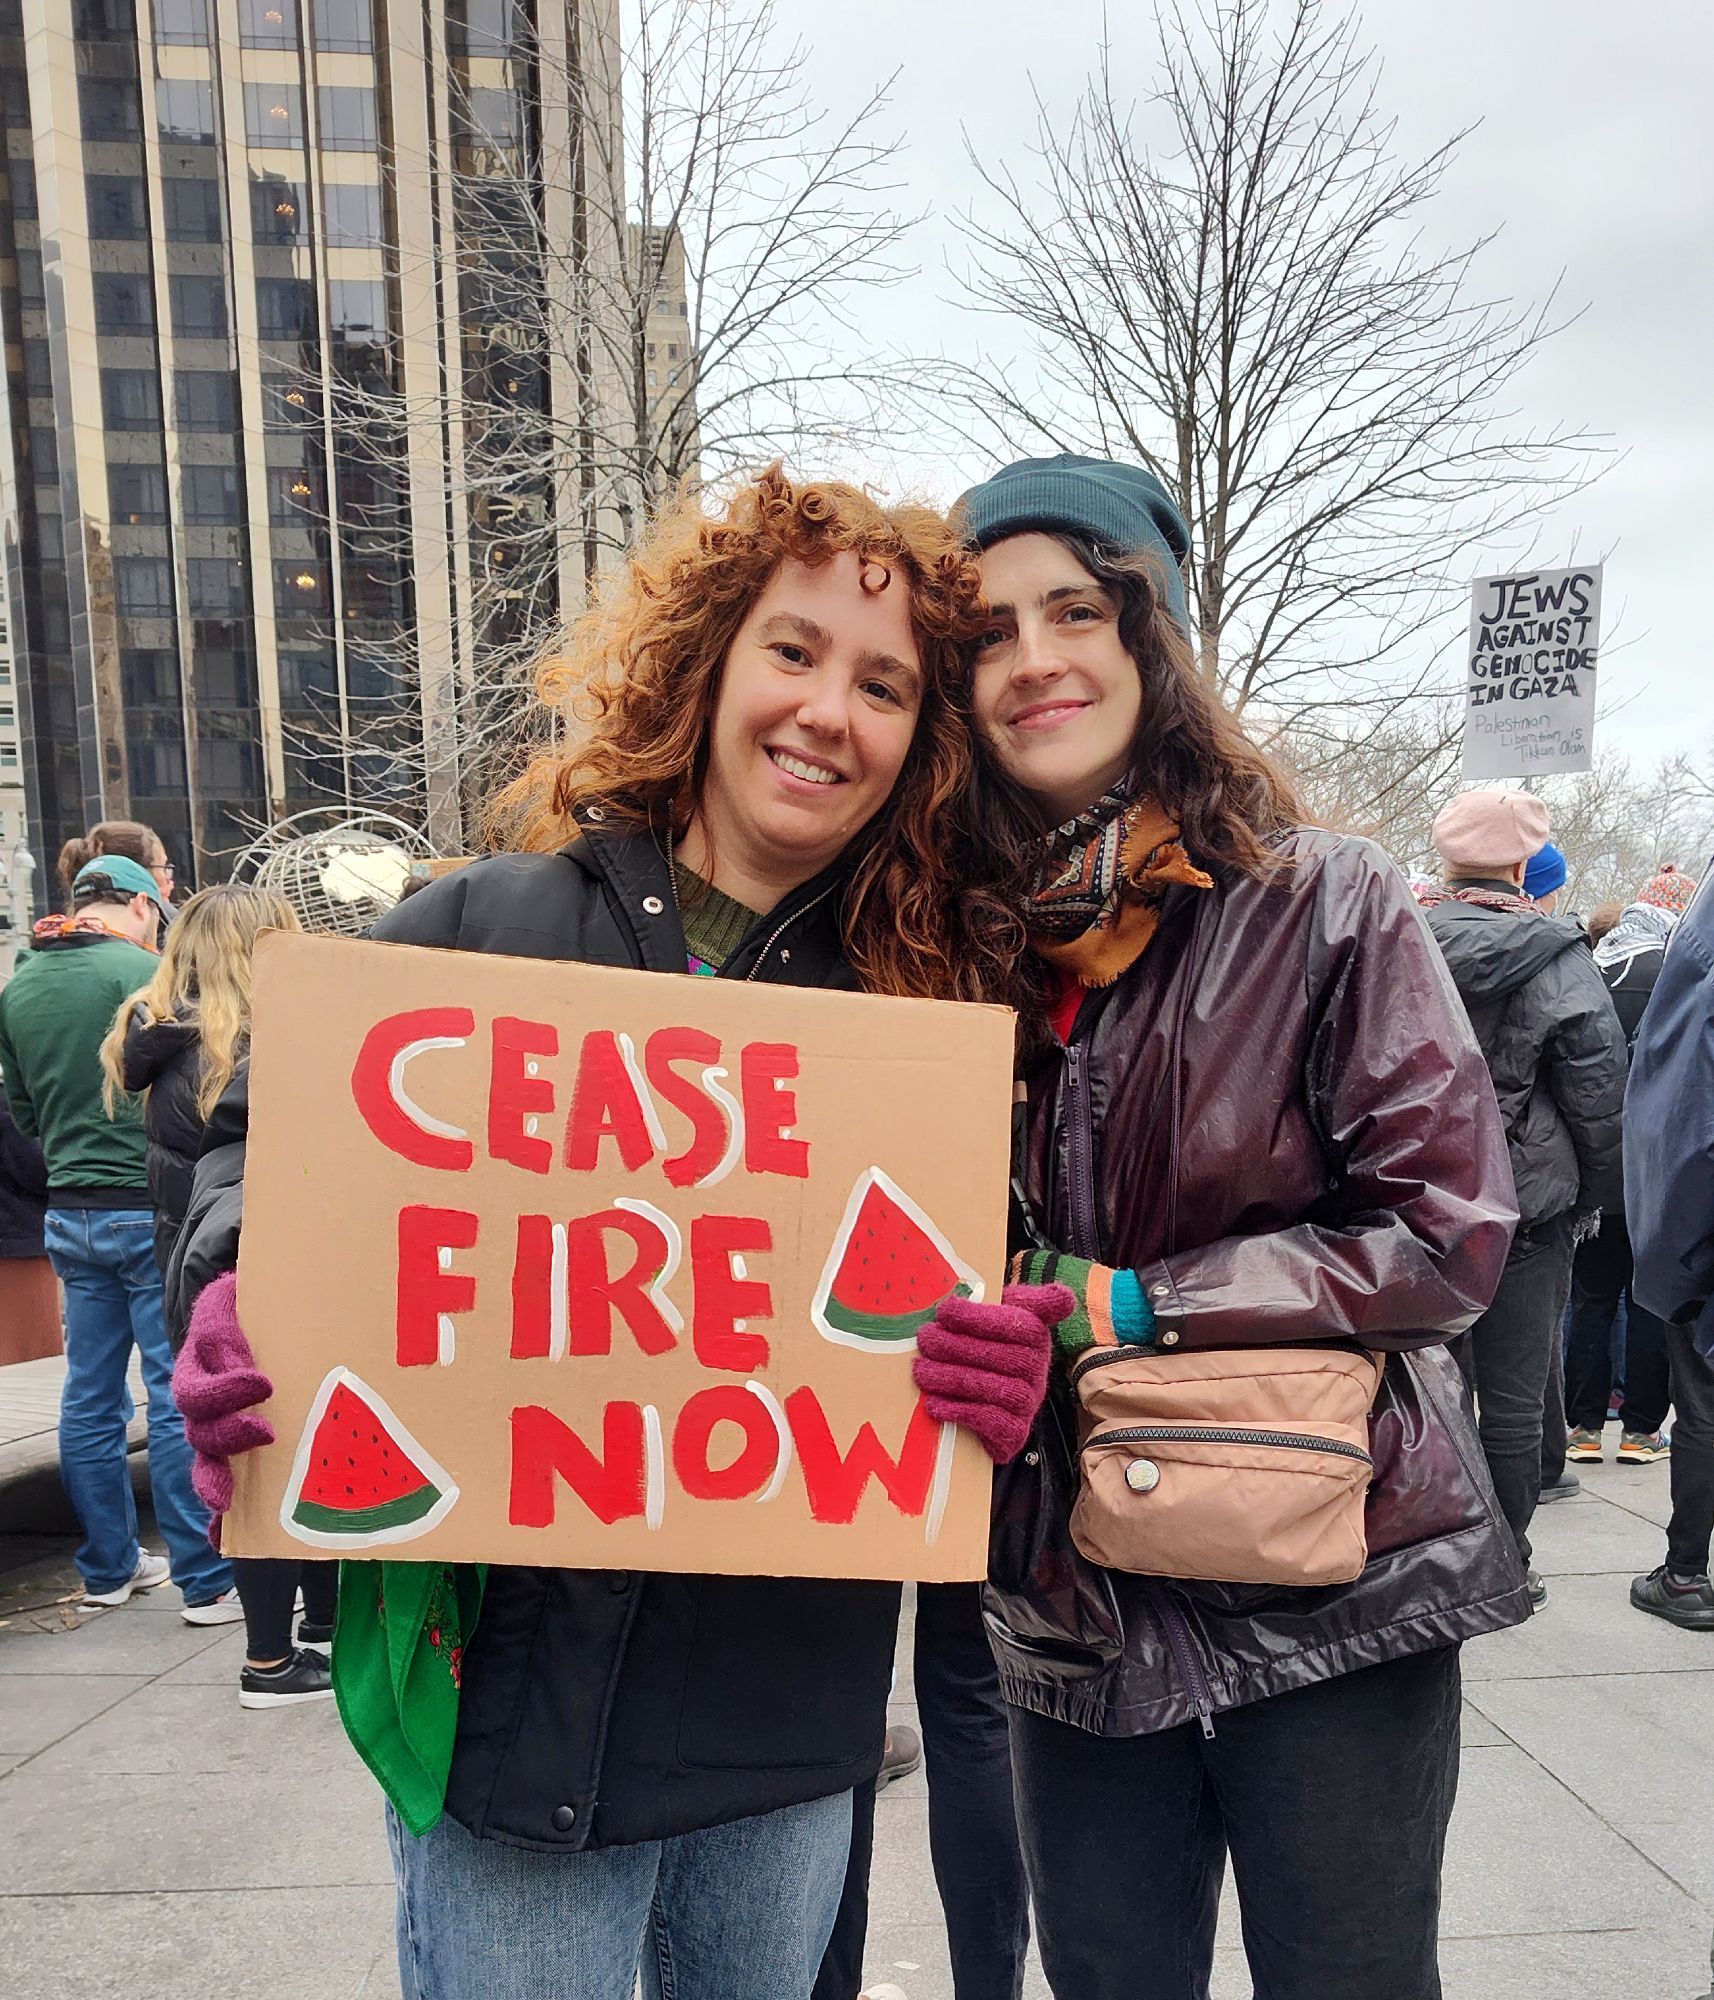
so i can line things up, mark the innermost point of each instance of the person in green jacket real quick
(54, 1012)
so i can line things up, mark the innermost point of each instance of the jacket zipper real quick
(1105, 1357)
(1182, 1646)
(780, 930)
(1080, 1136)
(1215, 1434)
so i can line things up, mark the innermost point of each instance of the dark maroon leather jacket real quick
(1280, 1119)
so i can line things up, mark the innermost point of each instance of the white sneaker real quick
(151, 1572)
(222, 1610)
(883, 1993)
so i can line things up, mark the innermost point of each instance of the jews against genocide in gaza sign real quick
(563, 1265)
(1530, 692)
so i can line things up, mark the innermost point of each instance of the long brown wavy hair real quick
(932, 907)
(1230, 798)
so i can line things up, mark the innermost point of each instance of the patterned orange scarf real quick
(1150, 859)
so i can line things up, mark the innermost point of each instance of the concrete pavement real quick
(159, 1843)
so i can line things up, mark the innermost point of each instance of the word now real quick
(616, 1095)
(627, 1478)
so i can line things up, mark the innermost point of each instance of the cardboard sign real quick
(555, 1264)
(1530, 693)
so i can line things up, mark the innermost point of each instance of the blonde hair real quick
(203, 978)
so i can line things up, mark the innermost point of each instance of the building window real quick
(294, 496)
(347, 118)
(22, 175)
(214, 586)
(143, 586)
(289, 404)
(300, 588)
(268, 24)
(130, 399)
(32, 292)
(108, 108)
(309, 678)
(357, 308)
(124, 302)
(44, 455)
(38, 369)
(353, 215)
(285, 308)
(199, 308)
(274, 114)
(192, 211)
(487, 28)
(202, 400)
(137, 494)
(149, 678)
(184, 21)
(345, 27)
(14, 98)
(116, 210)
(184, 110)
(210, 498)
(277, 211)
(103, 21)
(489, 117)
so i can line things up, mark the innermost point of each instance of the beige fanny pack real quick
(1245, 1465)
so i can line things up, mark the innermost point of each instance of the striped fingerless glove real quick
(1112, 1308)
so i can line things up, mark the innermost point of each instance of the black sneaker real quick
(1562, 1488)
(1688, 1604)
(320, 1637)
(304, 1677)
(1536, 1588)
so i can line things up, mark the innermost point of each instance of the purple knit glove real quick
(216, 1383)
(985, 1366)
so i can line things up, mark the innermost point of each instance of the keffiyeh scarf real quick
(1641, 927)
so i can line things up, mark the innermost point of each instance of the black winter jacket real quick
(602, 1708)
(23, 1189)
(165, 1059)
(1553, 1046)
(1277, 1117)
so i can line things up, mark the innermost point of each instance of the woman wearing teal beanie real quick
(1260, 1130)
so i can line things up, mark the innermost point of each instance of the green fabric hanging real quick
(398, 1653)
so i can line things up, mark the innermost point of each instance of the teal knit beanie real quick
(1120, 506)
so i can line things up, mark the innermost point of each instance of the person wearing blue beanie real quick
(1121, 508)
(1545, 876)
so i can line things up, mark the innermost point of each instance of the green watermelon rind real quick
(886, 1326)
(385, 1514)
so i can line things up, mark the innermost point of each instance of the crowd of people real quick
(1335, 1227)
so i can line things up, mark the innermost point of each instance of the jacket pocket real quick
(787, 1672)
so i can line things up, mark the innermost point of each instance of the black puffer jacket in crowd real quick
(600, 1708)
(23, 1189)
(164, 1058)
(1553, 1045)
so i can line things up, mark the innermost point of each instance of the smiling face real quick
(818, 703)
(1055, 691)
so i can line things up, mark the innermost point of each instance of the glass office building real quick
(247, 349)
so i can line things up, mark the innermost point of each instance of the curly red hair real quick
(933, 905)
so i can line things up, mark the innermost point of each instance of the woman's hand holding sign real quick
(217, 1385)
(986, 1366)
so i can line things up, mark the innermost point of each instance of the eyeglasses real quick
(163, 868)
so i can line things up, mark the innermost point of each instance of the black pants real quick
(972, 1830)
(1333, 1801)
(267, 1589)
(1600, 1276)
(1688, 1533)
(1507, 1357)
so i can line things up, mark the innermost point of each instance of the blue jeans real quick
(105, 1258)
(737, 1912)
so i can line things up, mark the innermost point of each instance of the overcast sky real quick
(1593, 155)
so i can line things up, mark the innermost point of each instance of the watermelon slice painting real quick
(887, 1271)
(359, 1478)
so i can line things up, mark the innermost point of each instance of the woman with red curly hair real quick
(601, 1772)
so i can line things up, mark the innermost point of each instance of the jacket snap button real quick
(619, 1582)
(1032, 1458)
(1142, 1475)
(653, 905)
(594, 812)
(785, 956)
(1169, 1340)
(564, 1818)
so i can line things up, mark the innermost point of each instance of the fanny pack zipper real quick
(1221, 1434)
